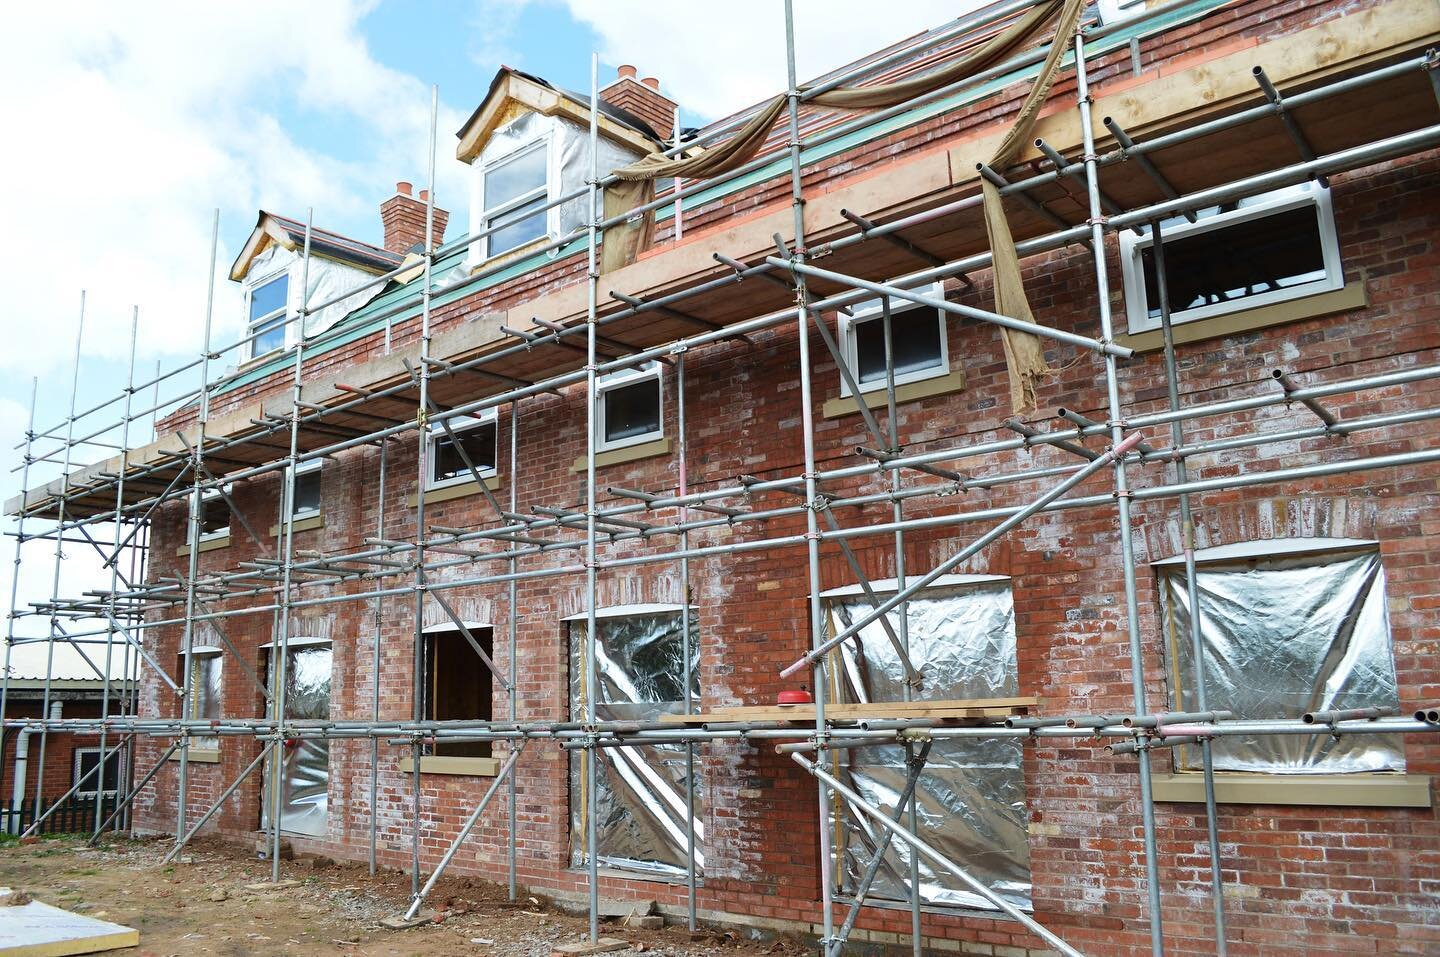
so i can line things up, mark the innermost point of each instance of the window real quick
(1286, 627)
(642, 670)
(206, 669)
(268, 310)
(214, 515)
(1115, 11)
(961, 637)
(1261, 250)
(457, 685)
(514, 190)
(306, 501)
(85, 761)
(628, 407)
(474, 439)
(917, 339)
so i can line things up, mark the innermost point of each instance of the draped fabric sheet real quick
(640, 792)
(1280, 637)
(971, 798)
(1024, 356)
(305, 763)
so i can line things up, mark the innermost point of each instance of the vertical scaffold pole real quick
(378, 621)
(1192, 589)
(15, 572)
(592, 684)
(197, 475)
(812, 490)
(423, 463)
(55, 631)
(1122, 490)
(115, 576)
(685, 637)
(280, 648)
(512, 627)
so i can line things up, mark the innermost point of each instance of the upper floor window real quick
(514, 189)
(214, 515)
(1287, 627)
(267, 309)
(474, 439)
(628, 407)
(917, 342)
(305, 502)
(1256, 251)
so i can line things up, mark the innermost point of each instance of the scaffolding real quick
(378, 415)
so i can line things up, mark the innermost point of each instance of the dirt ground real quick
(202, 906)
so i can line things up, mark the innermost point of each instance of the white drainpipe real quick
(22, 761)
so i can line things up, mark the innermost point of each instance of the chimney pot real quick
(625, 70)
(424, 196)
(651, 82)
(403, 188)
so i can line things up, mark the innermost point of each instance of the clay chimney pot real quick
(403, 188)
(651, 82)
(625, 70)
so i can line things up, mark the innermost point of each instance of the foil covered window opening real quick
(207, 667)
(640, 791)
(971, 797)
(1282, 634)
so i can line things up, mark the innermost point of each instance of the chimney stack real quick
(642, 98)
(403, 218)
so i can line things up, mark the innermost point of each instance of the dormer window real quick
(512, 194)
(268, 308)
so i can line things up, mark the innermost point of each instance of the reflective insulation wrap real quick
(326, 279)
(1283, 636)
(640, 799)
(305, 764)
(205, 702)
(971, 797)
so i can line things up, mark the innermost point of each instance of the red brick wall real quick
(59, 750)
(1299, 880)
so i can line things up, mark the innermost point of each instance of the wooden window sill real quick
(207, 545)
(1349, 297)
(844, 405)
(1334, 790)
(306, 524)
(442, 764)
(630, 453)
(446, 493)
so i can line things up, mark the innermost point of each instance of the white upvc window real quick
(511, 193)
(1116, 11)
(629, 408)
(476, 435)
(917, 340)
(267, 306)
(214, 515)
(305, 502)
(1260, 250)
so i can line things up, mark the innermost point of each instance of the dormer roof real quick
(290, 234)
(513, 92)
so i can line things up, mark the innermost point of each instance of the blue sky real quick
(128, 124)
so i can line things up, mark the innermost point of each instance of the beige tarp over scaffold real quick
(1024, 356)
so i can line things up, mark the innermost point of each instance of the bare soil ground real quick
(201, 905)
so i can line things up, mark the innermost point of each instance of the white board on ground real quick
(35, 929)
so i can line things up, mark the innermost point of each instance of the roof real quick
(513, 91)
(290, 233)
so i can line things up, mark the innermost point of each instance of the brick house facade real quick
(1300, 878)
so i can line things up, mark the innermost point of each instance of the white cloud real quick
(128, 123)
(717, 59)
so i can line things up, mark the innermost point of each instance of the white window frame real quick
(480, 212)
(305, 468)
(210, 495)
(284, 312)
(616, 380)
(872, 311)
(88, 791)
(1132, 248)
(460, 425)
(1118, 11)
